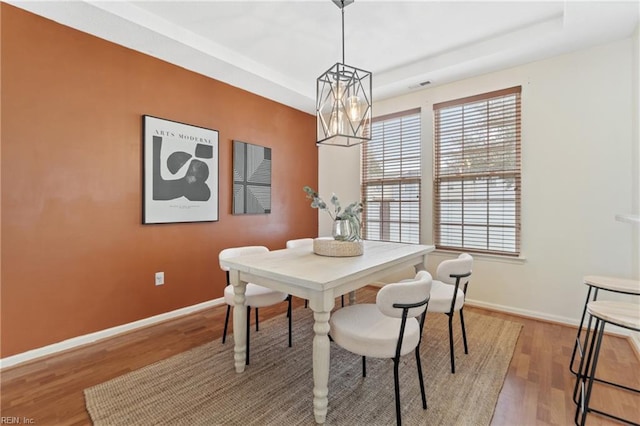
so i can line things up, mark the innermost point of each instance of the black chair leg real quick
(453, 361)
(342, 300)
(464, 332)
(424, 396)
(290, 318)
(396, 382)
(364, 366)
(257, 329)
(226, 323)
(246, 361)
(306, 303)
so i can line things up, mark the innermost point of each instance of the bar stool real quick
(621, 314)
(596, 283)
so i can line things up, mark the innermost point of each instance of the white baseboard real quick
(632, 337)
(103, 334)
(521, 312)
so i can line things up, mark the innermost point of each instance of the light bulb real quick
(336, 123)
(338, 90)
(354, 110)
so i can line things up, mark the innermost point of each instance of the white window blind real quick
(477, 173)
(391, 177)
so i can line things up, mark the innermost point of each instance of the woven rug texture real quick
(200, 386)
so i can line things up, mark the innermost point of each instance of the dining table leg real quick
(239, 321)
(321, 357)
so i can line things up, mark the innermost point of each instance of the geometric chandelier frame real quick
(343, 101)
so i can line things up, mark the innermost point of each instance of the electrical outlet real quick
(159, 278)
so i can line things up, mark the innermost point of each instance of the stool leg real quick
(584, 366)
(592, 375)
(577, 342)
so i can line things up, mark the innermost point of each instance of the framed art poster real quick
(180, 172)
(251, 178)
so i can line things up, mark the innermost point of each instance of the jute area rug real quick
(200, 386)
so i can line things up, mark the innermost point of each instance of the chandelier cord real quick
(342, 8)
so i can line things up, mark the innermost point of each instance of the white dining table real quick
(319, 279)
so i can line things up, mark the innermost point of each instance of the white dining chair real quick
(256, 296)
(448, 293)
(387, 329)
(300, 242)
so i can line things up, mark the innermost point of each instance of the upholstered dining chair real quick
(387, 329)
(307, 243)
(300, 242)
(448, 293)
(256, 296)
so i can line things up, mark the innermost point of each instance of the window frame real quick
(384, 233)
(490, 175)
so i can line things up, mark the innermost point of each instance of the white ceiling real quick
(277, 49)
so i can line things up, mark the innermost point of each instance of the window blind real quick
(391, 178)
(477, 171)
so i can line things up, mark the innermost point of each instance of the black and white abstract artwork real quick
(180, 172)
(251, 178)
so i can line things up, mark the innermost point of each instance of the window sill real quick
(488, 257)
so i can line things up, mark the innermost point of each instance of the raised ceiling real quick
(277, 49)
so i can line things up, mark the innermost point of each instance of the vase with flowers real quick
(346, 222)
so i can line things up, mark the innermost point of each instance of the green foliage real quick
(350, 213)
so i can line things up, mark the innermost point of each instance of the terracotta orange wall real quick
(75, 257)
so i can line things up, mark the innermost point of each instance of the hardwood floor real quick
(537, 390)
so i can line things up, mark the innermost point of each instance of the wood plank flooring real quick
(537, 390)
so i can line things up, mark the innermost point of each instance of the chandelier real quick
(343, 101)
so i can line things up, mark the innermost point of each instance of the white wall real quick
(339, 173)
(635, 148)
(579, 136)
